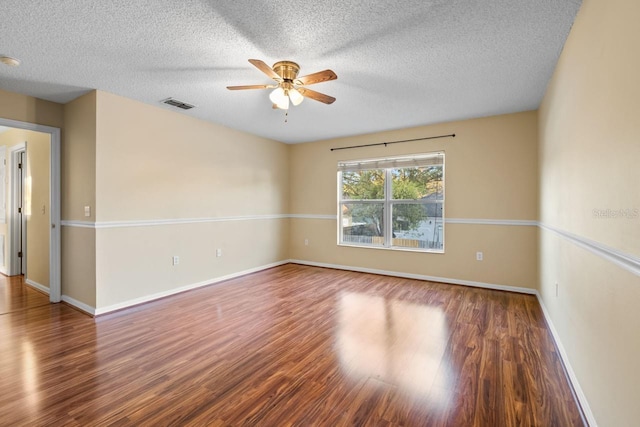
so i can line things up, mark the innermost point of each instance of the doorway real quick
(18, 226)
(21, 207)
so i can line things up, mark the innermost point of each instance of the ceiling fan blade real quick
(250, 87)
(319, 77)
(260, 65)
(316, 95)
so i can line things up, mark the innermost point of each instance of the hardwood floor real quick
(15, 296)
(293, 345)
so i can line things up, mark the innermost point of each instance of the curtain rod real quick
(453, 135)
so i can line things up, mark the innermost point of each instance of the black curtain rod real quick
(453, 135)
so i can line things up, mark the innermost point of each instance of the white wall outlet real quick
(306, 242)
(218, 252)
(87, 211)
(175, 260)
(479, 256)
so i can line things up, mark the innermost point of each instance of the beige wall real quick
(78, 264)
(78, 189)
(37, 197)
(78, 159)
(491, 173)
(4, 226)
(135, 262)
(155, 164)
(37, 206)
(28, 109)
(589, 154)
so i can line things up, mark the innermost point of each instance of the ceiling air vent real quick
(177, 104)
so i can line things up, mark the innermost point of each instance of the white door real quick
(18, 224)
(21, 223)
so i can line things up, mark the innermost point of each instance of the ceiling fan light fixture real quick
(284, 104)
(280, 98)
(289, 88)
(295, 96)
(277, 95)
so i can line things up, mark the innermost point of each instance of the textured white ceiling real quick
(399, 64)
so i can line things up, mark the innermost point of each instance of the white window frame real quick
(388, 164)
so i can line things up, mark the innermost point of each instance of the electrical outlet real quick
(176, 260)
(306, 242)
(87, 211)
(479, 256)
(218, 252)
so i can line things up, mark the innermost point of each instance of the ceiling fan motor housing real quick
(288, 70)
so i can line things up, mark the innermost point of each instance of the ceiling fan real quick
(289, 86)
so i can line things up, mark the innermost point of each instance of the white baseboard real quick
(147, 298)
(419, 277)
(38, 286)
(79, 305)
(582, 398)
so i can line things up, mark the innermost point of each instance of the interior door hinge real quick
(20, 254)
(19, 165)
(19, 210)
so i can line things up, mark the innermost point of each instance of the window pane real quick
(417, 225)
(417, 183)
(363, 185)
(362, 223)
(395, 202)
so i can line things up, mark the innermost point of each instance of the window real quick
(393, 203)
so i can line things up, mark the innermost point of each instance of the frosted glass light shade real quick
(295, 96)
(280, 98)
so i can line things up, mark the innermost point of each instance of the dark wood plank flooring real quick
(293, 345)
(15, 296)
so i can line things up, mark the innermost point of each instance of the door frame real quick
(15, 264)
(55, 290)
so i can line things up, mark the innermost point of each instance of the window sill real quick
(393, 248)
